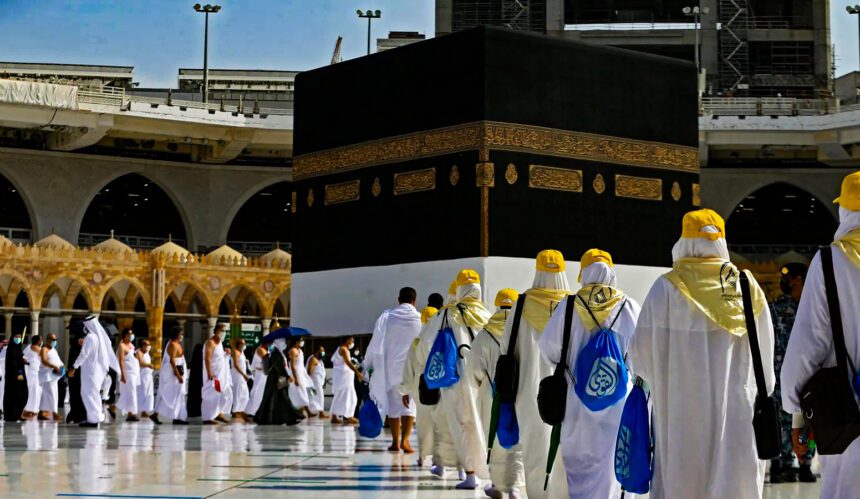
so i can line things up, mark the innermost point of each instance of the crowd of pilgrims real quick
(692, 344)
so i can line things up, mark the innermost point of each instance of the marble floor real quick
(140, 461)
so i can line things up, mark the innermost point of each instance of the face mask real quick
(270, 348)
(131, 338)
(54, 344)
(355, 353)
(784, 286)
(322, 354)
(301, 344)
(16, 341)
(351, 345)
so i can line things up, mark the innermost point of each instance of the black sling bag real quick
(766, 424)
(425, 395)
(827, 399)
(507, 367)
(552, 391)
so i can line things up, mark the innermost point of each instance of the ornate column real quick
(154, 320)
(485, 179)
(266, 323)
(67, 319)
(34, 324)
(9, 316)
(213, 321)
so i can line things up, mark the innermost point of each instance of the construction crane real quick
(335, 57)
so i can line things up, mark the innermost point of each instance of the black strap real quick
(832, 292)
(752, 333)
(617, 314)
(515, 327)
(561, 367)
(462, 309)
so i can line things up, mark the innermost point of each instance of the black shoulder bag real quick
(462, 309)
(425, 395)
(507, 367)
(766, 424)
(552, 391)
(827, 399)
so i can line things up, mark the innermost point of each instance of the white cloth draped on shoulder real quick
(146, 388)
(424, 413)
(386, 355)
(345, 399)
(170, 402)
(49, 379)
(216, 403)
(241, 395)
(299, 392)
(810, 348)
(317, 397)
(31, 371)
(259, 377)
(94, 361)
(127, 401)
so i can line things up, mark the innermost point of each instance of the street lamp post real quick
(855, 10)
(206, 9)
(370, 15)
(696, 13)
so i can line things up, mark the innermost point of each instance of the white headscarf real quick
(599, 273)
(848, 221)
(469, 290)
(281, 344)
(551, 280)
(106, 358)
(700, 247)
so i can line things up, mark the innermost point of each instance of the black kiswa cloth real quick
(15, 397)
(195, 383)
(276, 408)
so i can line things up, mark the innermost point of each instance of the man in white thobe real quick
(216, 395)
(587, 436)
(457, 423)
(548, 290)
(96, 358)
(506, 466)
(810, 346)
(692, 348)
(146, 388)
(386, 356)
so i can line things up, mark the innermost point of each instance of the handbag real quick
(552, 391)
(283, 382)
(507, 367)
(426, 395)
(766, 423)
(827, 399)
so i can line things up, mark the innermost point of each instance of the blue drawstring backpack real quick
(508, 431)
(633, 449)
(441, 369)
(601, 374)
(369, 419)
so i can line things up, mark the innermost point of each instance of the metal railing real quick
(256, 248)
(764, 106)
(16, 235)
(136, 242)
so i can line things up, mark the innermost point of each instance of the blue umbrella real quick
(286, 333)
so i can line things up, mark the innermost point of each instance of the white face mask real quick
(301, 344)
(351, 344)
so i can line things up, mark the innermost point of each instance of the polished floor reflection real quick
(139, 461)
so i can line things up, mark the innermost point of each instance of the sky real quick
(159, 36)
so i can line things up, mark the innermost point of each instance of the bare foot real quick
(350, 421)
(407, 449)
(336, 420)
(394, 448)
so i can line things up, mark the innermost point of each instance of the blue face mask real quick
(16, 341)
(54, 344)
(131, 338)
(271, 347)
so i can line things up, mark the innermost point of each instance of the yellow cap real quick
(849, 198)
(427, 313)
(695, 221)
(468, 276)
(550, 261)
(591, 256)
(452, 289)
(506, 297)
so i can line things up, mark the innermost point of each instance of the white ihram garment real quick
(240, 386)
(127, 402)
(215, 403)
(48, 380)
(458, 431)
(170, 402)
(34, 388)
(386, 355)
(317, 400)
(702, 391)
(3, 350)
(588, 437)
(259, 385)
(94, 361)
(810, 347)
(299, 394)
(345, 399)
(506, 466)
(146, 388)
(423, 413)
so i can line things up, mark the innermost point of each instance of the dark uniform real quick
(783, 310)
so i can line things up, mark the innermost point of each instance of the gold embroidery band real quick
(417, 181)
(487, 135)
(650, 189)
(556, 179)
(343, 192)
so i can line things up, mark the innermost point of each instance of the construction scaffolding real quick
(734, 47)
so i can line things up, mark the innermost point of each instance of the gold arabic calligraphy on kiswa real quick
(342, 192)
(417, 181)
(485, 135)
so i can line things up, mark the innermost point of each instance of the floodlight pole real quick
(206, 10)
(370, 15)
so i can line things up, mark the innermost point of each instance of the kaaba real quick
(484, 147)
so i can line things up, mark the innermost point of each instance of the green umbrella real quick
(554, 440)
(494, 424)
